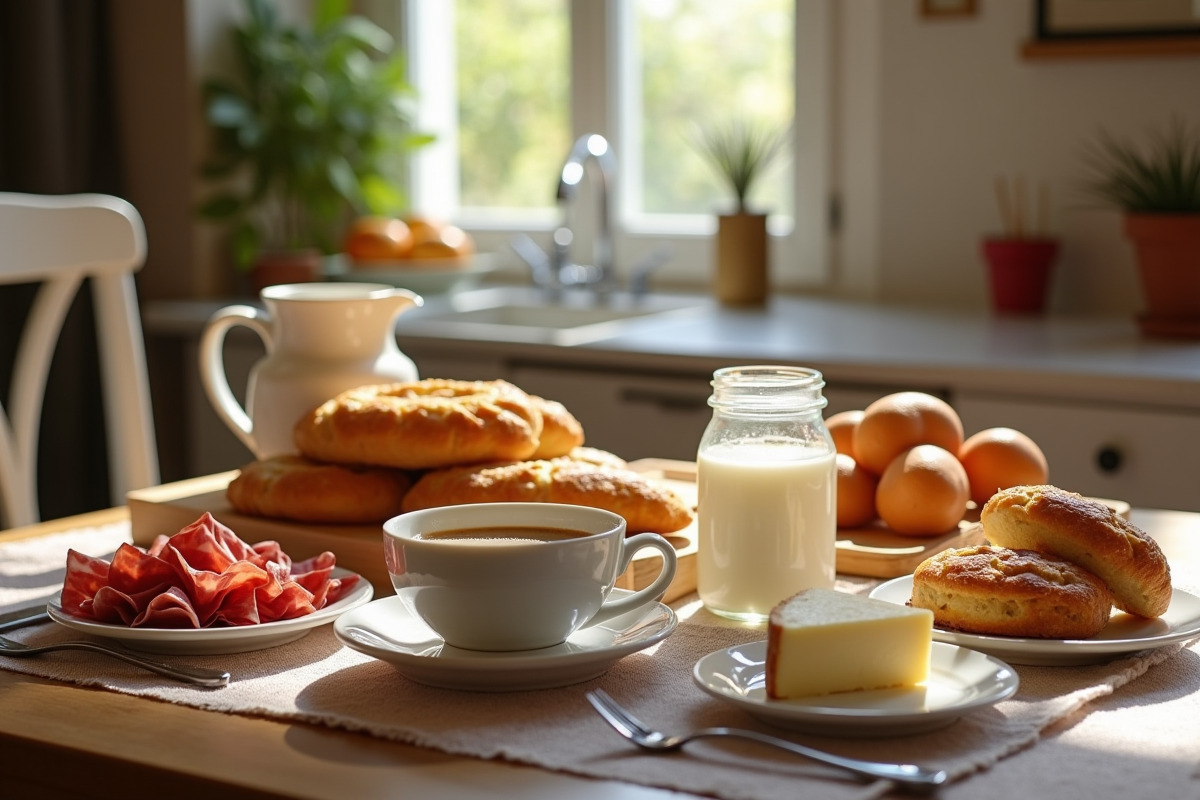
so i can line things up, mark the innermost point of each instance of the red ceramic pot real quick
(1019, 273)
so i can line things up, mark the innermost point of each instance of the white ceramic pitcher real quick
(321, 339)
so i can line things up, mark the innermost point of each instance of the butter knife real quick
(30, 617)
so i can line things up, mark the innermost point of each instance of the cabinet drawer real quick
(634, 416)
(1148, 458)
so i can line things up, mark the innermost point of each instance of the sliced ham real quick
(203, 576)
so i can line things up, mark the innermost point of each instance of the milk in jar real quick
(767, 482)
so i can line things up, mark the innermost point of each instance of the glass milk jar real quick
(767, 480)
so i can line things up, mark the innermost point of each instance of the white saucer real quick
(1125, 633)
(959, 680)
(388, 630)
(213, 641)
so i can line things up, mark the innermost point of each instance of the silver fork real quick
(199, 676)
(629, 726)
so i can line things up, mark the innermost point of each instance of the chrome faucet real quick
(556, 270)
(589, 147)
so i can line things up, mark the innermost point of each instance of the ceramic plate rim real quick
(482, 662)
(359, 595)
(1003, 680)
(890, 590)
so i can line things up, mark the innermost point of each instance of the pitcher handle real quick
(212, 366)
(614, 607)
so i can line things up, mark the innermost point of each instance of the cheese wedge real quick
(822, 641)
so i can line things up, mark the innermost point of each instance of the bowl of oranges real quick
(424, 255)
(905, 463)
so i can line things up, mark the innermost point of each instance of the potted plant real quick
(313, 128)
(1020, 259)
(1158, 188)
(740, 153)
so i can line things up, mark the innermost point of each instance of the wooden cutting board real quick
(872, 551)
(359, 548)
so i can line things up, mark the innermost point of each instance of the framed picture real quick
(1108, 19)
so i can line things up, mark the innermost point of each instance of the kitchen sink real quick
(527, 314)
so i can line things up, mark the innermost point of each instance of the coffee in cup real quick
(516, 576)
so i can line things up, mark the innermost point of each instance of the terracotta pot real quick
(1168, 256)
(741, 270)
(285, 266)
(1019, 273)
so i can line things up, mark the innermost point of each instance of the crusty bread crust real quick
(422, 425)
(292, 487)
(1087, 532)
(645, 504)
(561, 432)
(1002, 592)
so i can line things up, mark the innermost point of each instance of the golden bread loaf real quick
(422, 425)
(561, 432)
(292, 487)
(1003, 592)
(645, 504)
(1087, 532)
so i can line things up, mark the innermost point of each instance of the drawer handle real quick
(1108, 459)
(668, 401)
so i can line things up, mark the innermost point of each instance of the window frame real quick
(800, 247)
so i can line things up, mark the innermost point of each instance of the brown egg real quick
(923, 492)
(896, 422)
(1001, 458)
(423, 228)
(377, 239)
(855, 494)
(841, 427)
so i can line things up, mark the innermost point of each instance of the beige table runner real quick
(317, 680)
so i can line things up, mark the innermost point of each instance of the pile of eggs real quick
(904, 460)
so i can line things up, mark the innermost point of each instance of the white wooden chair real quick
(58, 241)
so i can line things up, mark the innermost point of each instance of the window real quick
(508, 87)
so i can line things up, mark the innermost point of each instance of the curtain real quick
(58, 136)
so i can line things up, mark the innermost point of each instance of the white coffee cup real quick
(503, 583)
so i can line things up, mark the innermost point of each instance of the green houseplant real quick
(313, 127)
(739, 153)
(1158, 189)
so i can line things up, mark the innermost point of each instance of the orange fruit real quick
(855, 494)
(841, 427)
(896, 422)
(1001, 458)
(923, 492)
(377, 239)
(424, 229)
(448, 242)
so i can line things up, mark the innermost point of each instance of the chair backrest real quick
(58, 242)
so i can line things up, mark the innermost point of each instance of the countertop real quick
(1093, 357)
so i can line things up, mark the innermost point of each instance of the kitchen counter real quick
(1108, 405)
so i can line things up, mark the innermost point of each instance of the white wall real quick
(931, 111)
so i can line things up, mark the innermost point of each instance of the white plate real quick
(390, 631)
(213, 641)
(425, 277)
(1125, 633)
(959, 680)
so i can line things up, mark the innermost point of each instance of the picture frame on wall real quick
(1115, 19)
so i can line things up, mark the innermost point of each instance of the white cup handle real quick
(212, 366)
(614, 607)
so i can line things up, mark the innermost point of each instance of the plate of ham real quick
(204, 591)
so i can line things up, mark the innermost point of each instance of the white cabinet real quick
(640, 415)
(1147, 457)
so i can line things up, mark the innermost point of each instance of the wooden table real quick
(64, 741)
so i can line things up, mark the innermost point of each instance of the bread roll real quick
(422, 425)
(1001, 592)
(1069, 526)
(561, 432)
(292, 487)
(645, 504)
